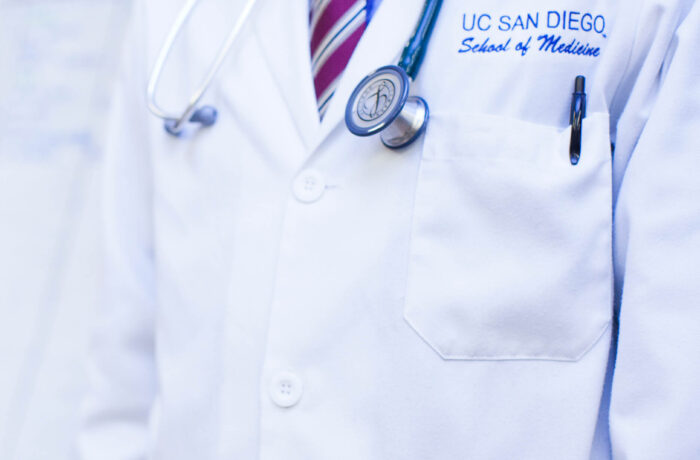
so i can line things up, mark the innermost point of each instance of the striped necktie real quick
(336, 28)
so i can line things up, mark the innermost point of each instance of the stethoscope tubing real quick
(416, 47)
(410, 61)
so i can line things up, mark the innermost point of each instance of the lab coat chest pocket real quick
(510, 254)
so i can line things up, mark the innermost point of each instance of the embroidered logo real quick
(565, 32)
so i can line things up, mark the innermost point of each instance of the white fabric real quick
(451, 301)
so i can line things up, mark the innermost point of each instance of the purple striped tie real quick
(336, 28)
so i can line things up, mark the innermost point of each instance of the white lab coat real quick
(277, 288)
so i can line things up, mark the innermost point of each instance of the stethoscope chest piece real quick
(381, 104)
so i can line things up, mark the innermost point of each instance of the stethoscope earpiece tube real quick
(414, 52)
(203, 116)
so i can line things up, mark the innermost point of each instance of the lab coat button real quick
(309, 186)
(286, 389)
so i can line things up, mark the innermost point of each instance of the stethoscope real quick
(379, 104)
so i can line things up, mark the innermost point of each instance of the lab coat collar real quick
(283, 32)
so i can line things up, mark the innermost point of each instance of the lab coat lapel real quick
(381, 44)
(282, 27)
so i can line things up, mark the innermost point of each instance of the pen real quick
(578, 113)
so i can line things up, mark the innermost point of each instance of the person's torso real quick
(321, 296)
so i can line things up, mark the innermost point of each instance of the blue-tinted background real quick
(56, 59)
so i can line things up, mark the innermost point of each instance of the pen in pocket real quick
(578, 113)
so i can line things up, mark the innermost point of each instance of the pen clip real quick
(578, 113)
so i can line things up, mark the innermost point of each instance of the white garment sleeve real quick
(655, 404)
(122, 367)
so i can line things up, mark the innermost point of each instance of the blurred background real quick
(57, 58)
